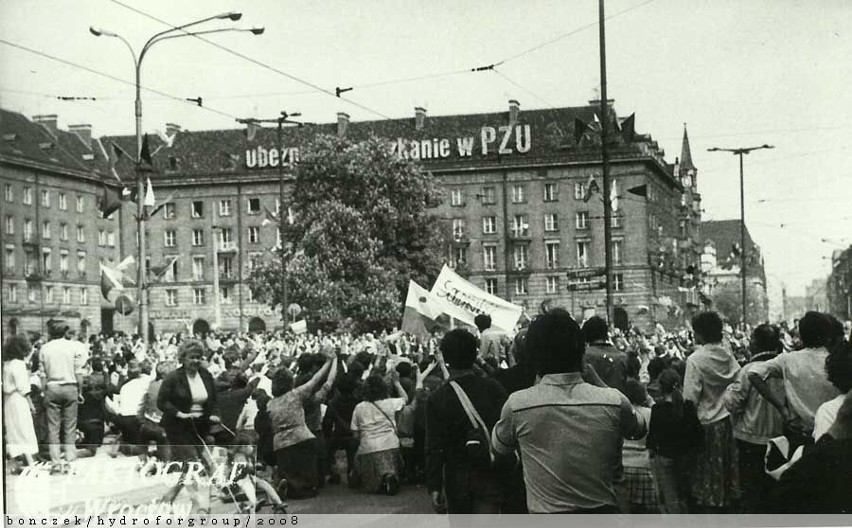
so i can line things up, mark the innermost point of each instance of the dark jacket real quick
(820, 482)
(609, 362)
(175, 396)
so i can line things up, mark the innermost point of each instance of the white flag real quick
(149, 201)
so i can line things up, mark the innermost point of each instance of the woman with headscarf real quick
(709, 371)
(187, 399)
(17, 407)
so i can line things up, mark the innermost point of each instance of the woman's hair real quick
(670, 385)
(766, 338)
(634, 366)
(282, 382)
(655, 367)
(708, 326)
(164, 368)
(815, 329)
(190, 346)
(838, 366)
(374, 389)
(556, 343)
(16, 347)
(635, 392)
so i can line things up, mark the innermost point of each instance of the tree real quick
(363, 228)
(728, 301)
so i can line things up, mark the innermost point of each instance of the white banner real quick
(464, 301)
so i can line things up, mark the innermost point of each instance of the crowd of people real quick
(560, 417)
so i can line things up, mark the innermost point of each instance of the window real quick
(63, 232)
(520, 226)
(171, 274)
(491, 286)
(617, 246)
(63, 263)
(459, 257)
(81, 264)
(253, 234)
(552, 254)
(9, 225)
(169, 211)
(101, 237)
(81, 203)
(46, 267)
(224, 207)
(616, 221)
(458, 228)
(81, 234)
(456, 198)
(253, 206)
(489, 225)
(550, 192)
(198, 268)
(583, 253)
(226, 238)
(10, 259)
(28, 230)
(617, 282)
(28, 196)
(31, 293)
(29, 263)
(63, 202)
(552, 284)
(249, 295)
(551, 222)
(226, 266)
(84, 296)
(66, 295)
(197, 237)
(489, 257)
(169, 237)
(521, 286)
(110, 239)
(582, 220)
(48, 294)
(682, 227)
(199, 296)
(45, 198)
(521, 256)
(227, 298)
(45, 229)
(519, 193)
(9, 193)
(197, 209)
(489, 195)
(254, 260)
(579, 191)
(13, 293)
(171, 297)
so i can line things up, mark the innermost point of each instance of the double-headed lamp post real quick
(175, 32)
(742, 152)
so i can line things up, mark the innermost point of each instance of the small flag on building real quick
(159, 271)
(162, 204)
(628, 128)
(115, 154)
(640, 190)
(613, 196)
(580, 129)
(591, 188)
(270, 218)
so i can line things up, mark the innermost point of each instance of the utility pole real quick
(605, 166)
(743, 251)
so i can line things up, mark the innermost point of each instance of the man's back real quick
(570, 435)
(59, 360)
(492, 343)
(609, 362)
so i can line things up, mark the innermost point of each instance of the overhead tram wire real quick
(255, 61)
(518, 85)
(112, 77)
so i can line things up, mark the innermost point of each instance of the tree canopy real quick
(364, 225)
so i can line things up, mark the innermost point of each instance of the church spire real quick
(686, 154)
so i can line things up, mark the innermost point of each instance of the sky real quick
(738, 74)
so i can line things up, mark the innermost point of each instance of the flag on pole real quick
(628, 128)
(580, 129)
(640, 190)
(422, 310)
(159, 271)
(591, 188)
(158, 208)
(613, 196)
(111, 279)
(145, 161)
(150, 200)
(251, 130)
(270, 218)
(115, 154)
(167, 140)
(109, 202)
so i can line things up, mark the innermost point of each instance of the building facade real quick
(839, 284)
(53, 239)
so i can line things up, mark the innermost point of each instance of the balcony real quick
(227, 247)
(33, 276)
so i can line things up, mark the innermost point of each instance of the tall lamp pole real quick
(141, 213)
(605, 165)
(742, 152)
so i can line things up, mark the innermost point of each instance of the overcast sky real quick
(738, 73)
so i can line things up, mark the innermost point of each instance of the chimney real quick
(342, 123)
(47, 121)
(172, 129)
(419, 117)
(514, 110)
(84, 132)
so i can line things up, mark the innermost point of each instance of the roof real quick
(23, 141)
(223, 152)
(686, 153)
(724, 234)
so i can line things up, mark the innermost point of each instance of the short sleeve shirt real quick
(376, 421)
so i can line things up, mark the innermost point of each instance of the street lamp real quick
(234, 16)
(741, 152)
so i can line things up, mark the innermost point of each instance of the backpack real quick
(478, 441)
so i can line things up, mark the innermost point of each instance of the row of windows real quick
(521, 257)
(31, 264)
(27, 198)
(520, 224)
(196, 208)
(199, 296)
(488, 194)
(105, 237)
(227, 267)
(225, 237)
(553, 284)
(52, 294)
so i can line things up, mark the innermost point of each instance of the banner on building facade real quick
(464, 301)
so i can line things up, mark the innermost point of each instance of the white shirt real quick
(826, 415)
(131, 397)
(377, 427)
(199, 394)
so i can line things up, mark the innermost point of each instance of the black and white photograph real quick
(377, 257)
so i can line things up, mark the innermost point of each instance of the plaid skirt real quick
(641, 486)
(371, 467)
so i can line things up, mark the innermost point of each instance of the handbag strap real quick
(472, 415)
(393, 422)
